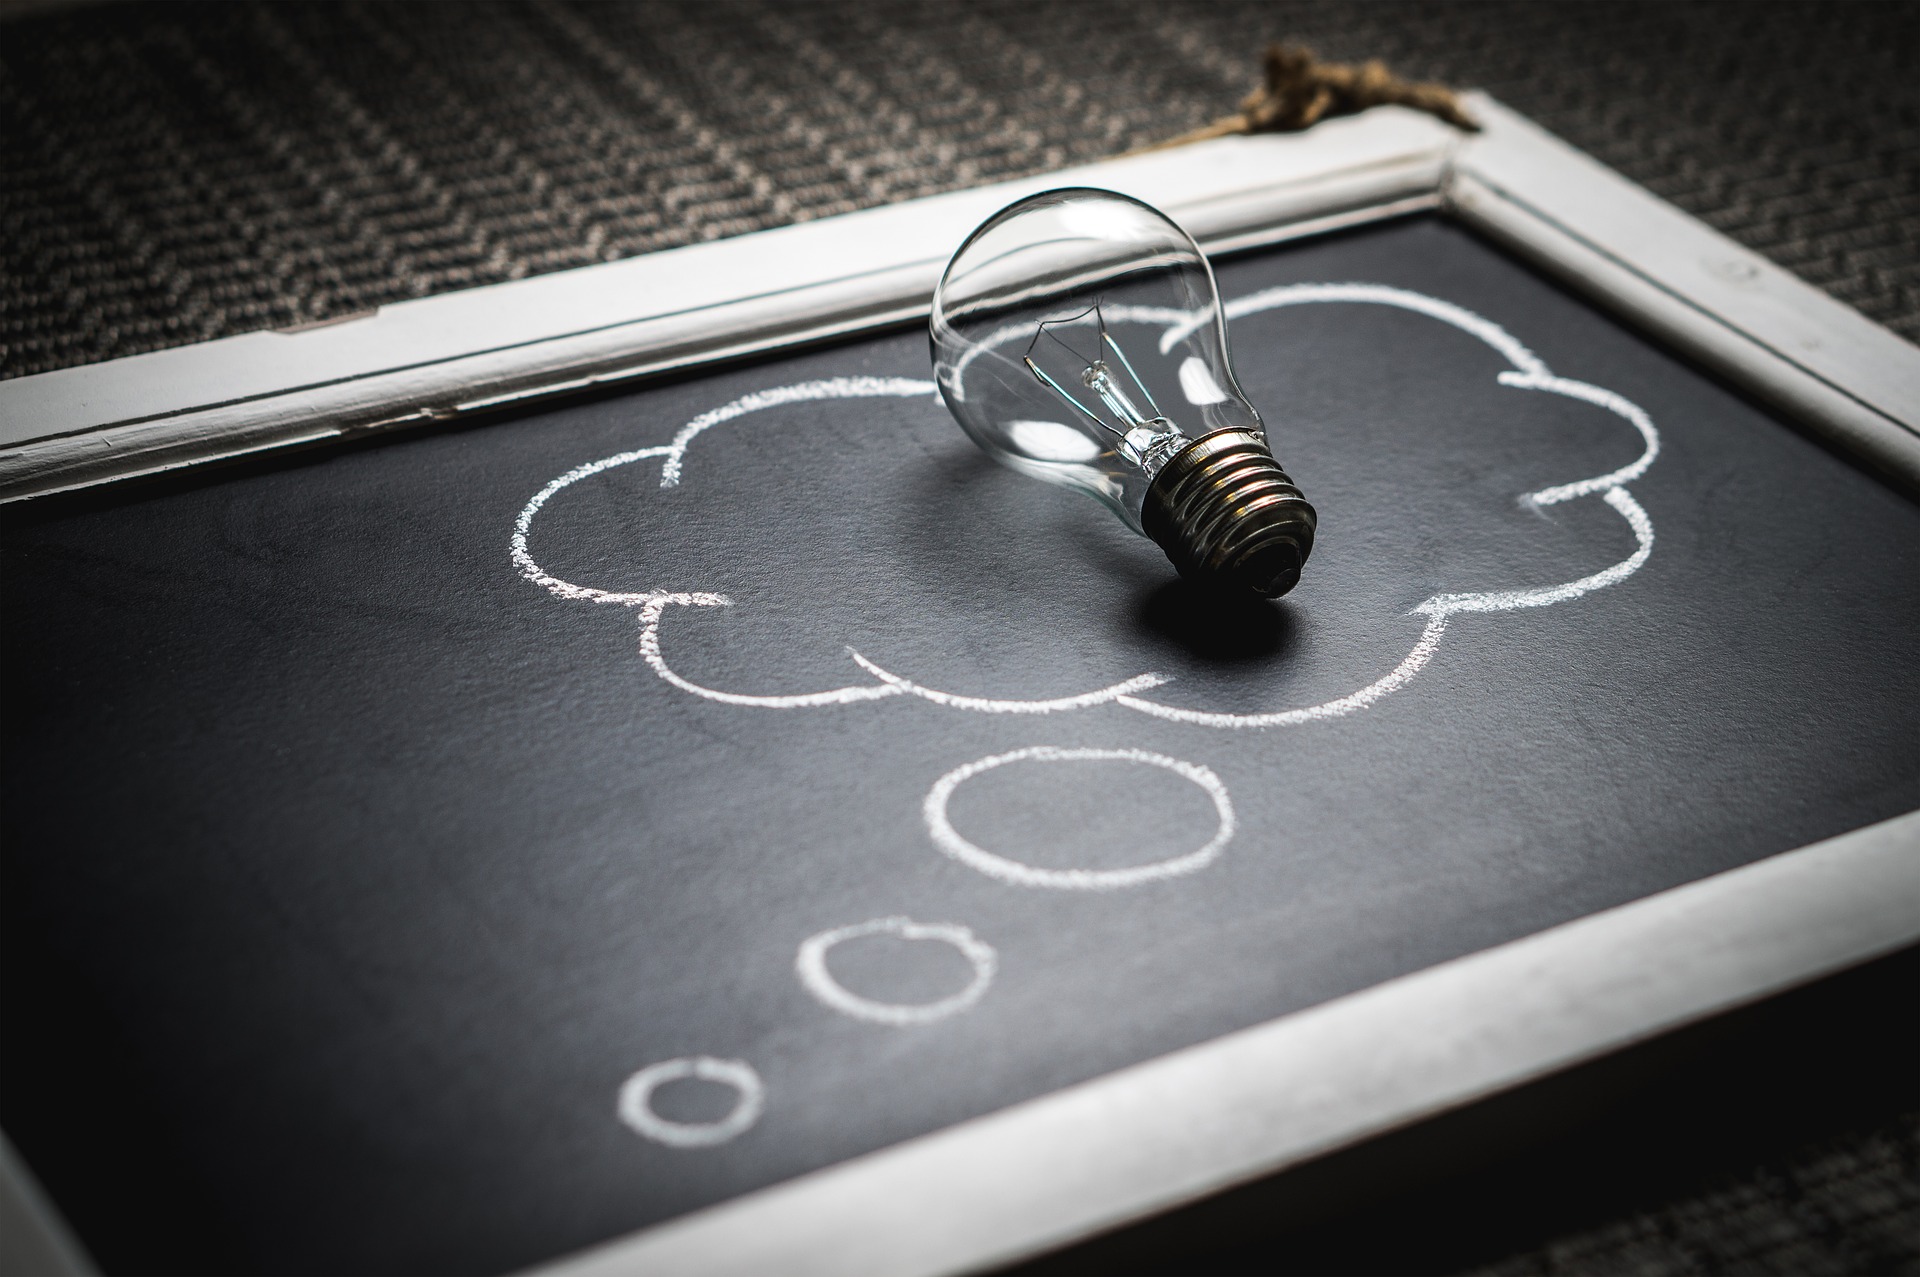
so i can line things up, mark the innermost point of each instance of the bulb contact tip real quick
(1227, 514)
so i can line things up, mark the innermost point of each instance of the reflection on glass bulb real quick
(1078, 338)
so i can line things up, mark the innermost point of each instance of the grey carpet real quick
(171, 173)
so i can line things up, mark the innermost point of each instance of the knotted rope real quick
(1301, 91)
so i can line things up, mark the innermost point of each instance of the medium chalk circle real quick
(949, 840)
(636, 1101)
(811, 966)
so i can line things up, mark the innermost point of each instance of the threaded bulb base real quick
(1227, 514)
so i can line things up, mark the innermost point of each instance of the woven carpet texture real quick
(172, 173)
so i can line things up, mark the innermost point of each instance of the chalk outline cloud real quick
(1527, 371)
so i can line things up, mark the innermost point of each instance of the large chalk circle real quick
(1006, 869)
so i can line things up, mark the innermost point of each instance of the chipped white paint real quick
(636, 1101)
(810, 964)
(1527, 372)
(1008, 870)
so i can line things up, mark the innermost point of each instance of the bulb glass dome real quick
(1077, 337)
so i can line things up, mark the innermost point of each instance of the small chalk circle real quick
(636, 1101)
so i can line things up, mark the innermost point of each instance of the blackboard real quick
(358, 855)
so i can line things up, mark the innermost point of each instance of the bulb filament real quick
(1148, 438)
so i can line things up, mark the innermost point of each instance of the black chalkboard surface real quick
(372, 820)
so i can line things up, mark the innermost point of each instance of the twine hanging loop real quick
(1300, 91)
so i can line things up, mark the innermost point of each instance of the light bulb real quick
(1078, 338)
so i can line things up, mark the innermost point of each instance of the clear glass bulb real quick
(1078, 338)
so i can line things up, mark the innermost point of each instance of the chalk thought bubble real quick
(1145, 692)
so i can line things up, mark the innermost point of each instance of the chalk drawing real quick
(1527, 372)
(636, 1101)
(949, 840)
(811, 966)
(986, 705)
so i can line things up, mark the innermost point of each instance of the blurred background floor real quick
(175, 172)
(171, 173)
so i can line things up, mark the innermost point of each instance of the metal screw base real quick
(1227, 514)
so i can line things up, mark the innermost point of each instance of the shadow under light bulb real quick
(1078, 338)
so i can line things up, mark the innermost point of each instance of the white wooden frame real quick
(450, 356)
(1120, 1147)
